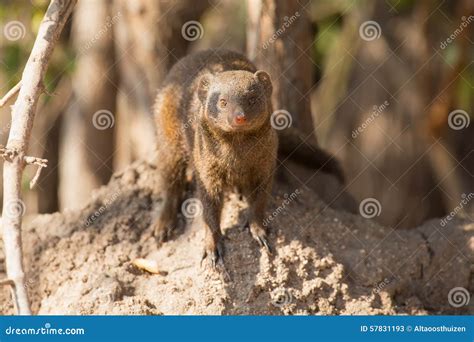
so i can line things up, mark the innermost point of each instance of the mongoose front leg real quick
(212, 208)
(258, 201)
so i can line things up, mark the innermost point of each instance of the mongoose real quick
(212, 117)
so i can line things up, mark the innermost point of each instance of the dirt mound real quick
(324, 261)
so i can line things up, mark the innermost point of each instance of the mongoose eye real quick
(222, 103)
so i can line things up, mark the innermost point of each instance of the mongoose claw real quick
(260, 235)
(267, 246)
(264, 243)
(160, 233)
(215, 257)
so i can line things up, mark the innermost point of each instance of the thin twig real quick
(12, 92)
(8, 155)
(36, 177)
(36, 161)
(8, 282)
(23, 115)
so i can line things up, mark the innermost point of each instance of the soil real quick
(326, 260)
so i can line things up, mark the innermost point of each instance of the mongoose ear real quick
(203, 87)
(266, 81)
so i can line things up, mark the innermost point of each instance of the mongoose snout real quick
(236, 100)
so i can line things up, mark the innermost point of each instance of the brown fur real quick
(197, 115)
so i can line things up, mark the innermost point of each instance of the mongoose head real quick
(235, 101)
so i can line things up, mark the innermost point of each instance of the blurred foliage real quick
(465, 93)
(442, 22)
(15, 53)
(329, 16)
(225, 22)
(326, 36)
(401, 5)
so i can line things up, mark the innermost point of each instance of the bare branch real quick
(23, 115)
(9, 155)
(8, 282)
(12, 92)
(36, 177)
(36, 161)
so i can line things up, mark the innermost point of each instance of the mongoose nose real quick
(240, 119)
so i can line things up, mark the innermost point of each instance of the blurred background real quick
(387, 86)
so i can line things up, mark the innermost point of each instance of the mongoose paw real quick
(214, 254)
(161, 232)
(260, 235)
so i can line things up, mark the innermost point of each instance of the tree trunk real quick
(46, 135)
(279, 40)
(87, 134)
(148, 42)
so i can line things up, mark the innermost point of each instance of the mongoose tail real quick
(295, 146)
